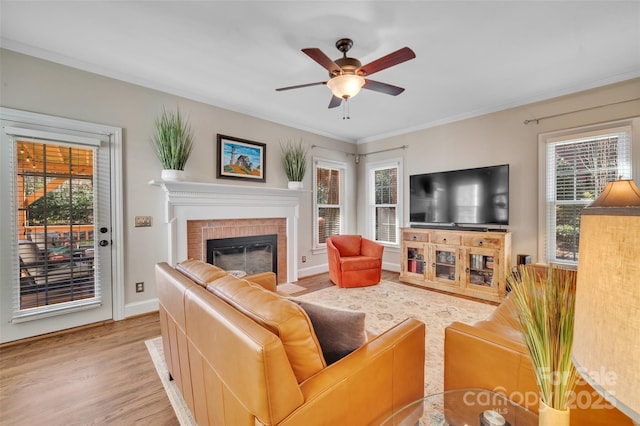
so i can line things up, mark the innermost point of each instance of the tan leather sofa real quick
(243, 355)
(492, 355)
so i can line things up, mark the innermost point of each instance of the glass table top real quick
(463, 407)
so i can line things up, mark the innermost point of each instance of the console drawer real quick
(444, 238)
(482, 241)
(422, 237)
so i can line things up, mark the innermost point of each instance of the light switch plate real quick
(142, 221)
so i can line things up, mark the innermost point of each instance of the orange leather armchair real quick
(354, 261)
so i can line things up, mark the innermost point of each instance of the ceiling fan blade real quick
(300, 86)
(319, 56)
(335, 102)
(395, 58)
(376, 86)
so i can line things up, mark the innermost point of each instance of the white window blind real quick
(384, 201)
(578, 167)
(329, 200)
(53, 203)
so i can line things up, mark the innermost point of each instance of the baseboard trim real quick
(141, 308)
(321, 269)
(313, 270)
(388, 266)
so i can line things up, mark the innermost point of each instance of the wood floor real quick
(96, 375)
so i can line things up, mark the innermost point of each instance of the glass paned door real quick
(445, 264)
(60, 204)
(481, 266)
(416, 259)
(55, 223)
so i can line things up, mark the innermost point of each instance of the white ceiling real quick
(473, 57)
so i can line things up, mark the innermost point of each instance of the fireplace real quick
(251, 255)
(196, 212)
(199, 232)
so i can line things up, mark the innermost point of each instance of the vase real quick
(548, 416)
(294, 185)
(172, 175)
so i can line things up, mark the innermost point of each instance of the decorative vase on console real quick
(172, 143)
(545, 304)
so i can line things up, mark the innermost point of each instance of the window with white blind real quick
(328, 200)
(577, 167)
(384, 189)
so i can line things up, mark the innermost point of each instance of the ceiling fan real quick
(347, 75)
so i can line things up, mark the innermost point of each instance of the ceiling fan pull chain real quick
(345, 107)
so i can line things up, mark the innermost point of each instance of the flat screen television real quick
(477, 196)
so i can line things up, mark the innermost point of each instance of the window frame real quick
(336, 165)
(372, 167)
(546, 173)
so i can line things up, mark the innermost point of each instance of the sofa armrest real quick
(371, 248)
(333, 253)
(484, 356)
(475, 357)
(266, 280)
(371, 383)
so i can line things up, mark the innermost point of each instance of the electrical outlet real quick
(143, 221)
(304, 259)
(140, 287)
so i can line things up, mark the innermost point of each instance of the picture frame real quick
(241, 159)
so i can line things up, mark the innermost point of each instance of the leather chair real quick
(492, 354)
(354, 261)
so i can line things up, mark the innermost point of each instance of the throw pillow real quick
(339, 332)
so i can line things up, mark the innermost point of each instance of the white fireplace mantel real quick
(186, 201)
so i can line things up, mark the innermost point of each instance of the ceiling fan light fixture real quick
(346, 86)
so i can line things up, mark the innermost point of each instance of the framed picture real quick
(241, 159)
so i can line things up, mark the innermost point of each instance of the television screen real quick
(471, 196)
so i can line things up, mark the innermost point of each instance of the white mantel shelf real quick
(186, 201)
(216, 188)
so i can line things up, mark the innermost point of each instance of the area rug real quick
(385, 305)
(154, 346)
(289, 288)
(389, 303)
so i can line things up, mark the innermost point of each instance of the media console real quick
(467, 262)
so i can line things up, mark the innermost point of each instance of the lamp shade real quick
(346, 86)
(606, 345)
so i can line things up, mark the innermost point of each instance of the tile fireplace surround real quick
(220, 211)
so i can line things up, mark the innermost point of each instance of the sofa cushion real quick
(359, 263)
(200, 272)
(339, 332)
(279, 315)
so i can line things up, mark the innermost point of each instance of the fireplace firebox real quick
(253, 254)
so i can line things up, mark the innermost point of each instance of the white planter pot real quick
(172, 175)
(295, 185)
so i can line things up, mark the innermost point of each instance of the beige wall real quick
(39, 86)
(502, 138)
